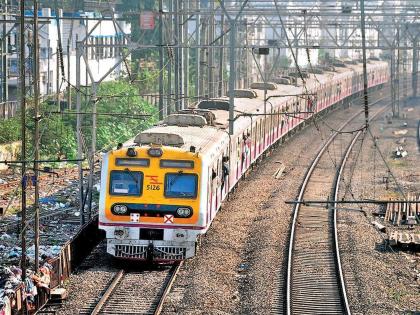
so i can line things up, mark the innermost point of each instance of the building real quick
(101, 51)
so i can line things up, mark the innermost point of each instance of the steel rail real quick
(101, 303)
(117, 281)
(335, 190)
(307, 177)
(168, 287)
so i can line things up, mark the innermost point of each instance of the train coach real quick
(162, 191)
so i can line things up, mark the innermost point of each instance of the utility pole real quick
(210, 62)
(177, 82)
(36, 135)
(393, 81)
(4, 65)
(93, 147)
(68, 74)
(69, 44)
(57, 78)
(185, 79)
(397, 75)
(160, 60)
(79, 132)
(415, 66)
(232, 77)
(197, 51)
(180, 60)
(23, 135)
(48, 67)
(169, 62)
(365, 79)
(221, 56)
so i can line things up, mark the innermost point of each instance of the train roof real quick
(202, 127)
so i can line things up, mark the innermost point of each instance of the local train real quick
(162, 190)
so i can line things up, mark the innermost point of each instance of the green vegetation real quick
(120, 97)
(58, 132)
(9, 130)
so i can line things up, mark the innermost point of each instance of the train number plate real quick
(153, 187)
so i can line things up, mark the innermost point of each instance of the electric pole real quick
(365, 78)
(36, 135)
(4, 65)
(23, 134)
(161, 113)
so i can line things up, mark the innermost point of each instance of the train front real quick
(150, 202)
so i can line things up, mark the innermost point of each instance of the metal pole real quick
(186, 56)
(3, 71)
(160, 60)
(180, 60)
(79, 131)
(68, 75)
(210, 66)
(57, 79)
(48, 68)
(93, 149)
(169, 63)
(397, 107)
(365, 79)
(5, 87)
(415, 67)
(232, 76)
(221, 56)
(197, 51)
(36, 135)
(201, 60)
(23, 135)
(177, 57)
(393, 81)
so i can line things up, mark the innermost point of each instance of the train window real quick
(180, 185)
(126, 183)
(132, 162)
(176, 164)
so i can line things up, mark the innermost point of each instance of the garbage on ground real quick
(399, 153)
(400, 132)
(404, 239)
(11, 279)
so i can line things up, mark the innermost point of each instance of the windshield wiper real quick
(173, 180)
(132, 175)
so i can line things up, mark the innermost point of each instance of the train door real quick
(255, 138)
(238, 158)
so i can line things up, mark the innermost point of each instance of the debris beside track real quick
(405, 240)
(383, 279)
(59, 226)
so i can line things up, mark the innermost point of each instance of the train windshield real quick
(126, 182)
(179, 185)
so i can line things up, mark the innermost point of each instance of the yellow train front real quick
(149, 202)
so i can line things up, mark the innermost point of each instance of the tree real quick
(119, 97)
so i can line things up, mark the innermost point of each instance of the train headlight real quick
(184, 212)
(120, 209)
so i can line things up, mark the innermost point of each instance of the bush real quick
(10, 130)
(123, 98)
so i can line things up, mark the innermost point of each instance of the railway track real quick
(315, 282)
(135, 292)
